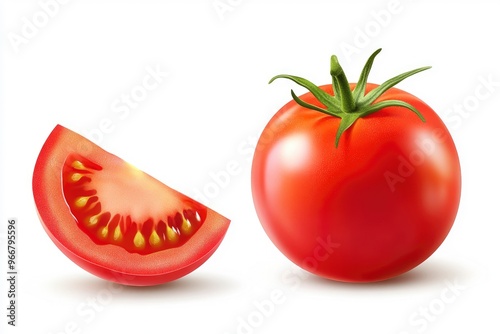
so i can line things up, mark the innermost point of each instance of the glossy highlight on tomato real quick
(356, 182)
(116, 221)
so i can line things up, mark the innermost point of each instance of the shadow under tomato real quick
(426, 274)
(198, 285)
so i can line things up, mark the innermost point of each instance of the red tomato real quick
(372, 208)
(116, 221)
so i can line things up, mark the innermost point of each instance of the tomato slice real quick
(116, 221)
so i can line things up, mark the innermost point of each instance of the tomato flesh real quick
(117, 221)
(158, 220)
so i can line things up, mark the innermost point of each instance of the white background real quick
(76, 64)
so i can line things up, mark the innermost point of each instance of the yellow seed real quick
(198, 218)
(78, 165)
(93, 220)
(154, 239)
(117, 235)
(75, 177)
(186, 226)
(104, 231)
(139, 241)
(82, 201)
(172, 235)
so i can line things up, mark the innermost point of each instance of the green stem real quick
(347, 105)
(341, 86)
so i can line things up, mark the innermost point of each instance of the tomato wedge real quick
(116, 221)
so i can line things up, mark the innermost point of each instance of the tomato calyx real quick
(349, 105)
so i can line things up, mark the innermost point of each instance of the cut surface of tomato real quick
(115, 220)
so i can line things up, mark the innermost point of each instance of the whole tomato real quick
(350, 185)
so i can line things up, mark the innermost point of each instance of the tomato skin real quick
(109, 261)
(373, 208)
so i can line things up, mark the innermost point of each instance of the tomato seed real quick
(82, 201)
(154, 239)
(139, 241)
(78, 165)
(75, 177)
